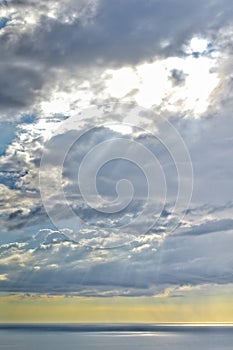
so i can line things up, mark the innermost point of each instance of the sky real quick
(116, 192)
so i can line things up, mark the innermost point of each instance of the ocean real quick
(116, 337)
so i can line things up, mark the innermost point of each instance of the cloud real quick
(151, 264)
(3, 277)
(58, 58)
(210, 227)
(43, 47)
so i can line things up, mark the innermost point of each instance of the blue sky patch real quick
(3, 22)
(7, 135)
(10, 178)
(28, 119)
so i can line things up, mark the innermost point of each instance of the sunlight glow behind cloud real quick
(151, 84)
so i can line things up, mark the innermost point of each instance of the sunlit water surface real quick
(116, 338)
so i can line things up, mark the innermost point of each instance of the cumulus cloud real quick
(57, 58)
(151, 264)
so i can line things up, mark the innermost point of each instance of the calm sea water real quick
(72, 337)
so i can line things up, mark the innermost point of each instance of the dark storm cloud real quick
(19, 85)
(115, 33)
(122, 32)
(18, 219)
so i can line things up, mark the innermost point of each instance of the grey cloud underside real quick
(18, 219)
(205, 138)
(210, 227)
(19, 85)
(141, 265)
(26, 183)
(104, 34)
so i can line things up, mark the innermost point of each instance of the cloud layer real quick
(59, 58)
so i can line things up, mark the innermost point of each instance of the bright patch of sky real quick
(175, 84)
(151, 84)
